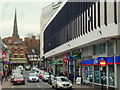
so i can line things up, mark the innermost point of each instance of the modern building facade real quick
(90, 29)
(46, 14)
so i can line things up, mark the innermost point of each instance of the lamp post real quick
(33, 51)
(38, 59)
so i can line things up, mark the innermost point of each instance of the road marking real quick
(38, 86)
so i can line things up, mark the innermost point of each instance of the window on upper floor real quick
(22, 50)
(110, 46)
(15, 56)
(21, 56)
(99, 49)
(15, 50)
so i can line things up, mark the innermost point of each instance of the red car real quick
(41, 74)
(19, 79)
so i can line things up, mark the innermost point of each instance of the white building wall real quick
(46, 16)
(96, 13)
(110, 11)
(86, 40)
(101, 13)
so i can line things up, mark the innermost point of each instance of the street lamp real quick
(38, 59)
(33, 51)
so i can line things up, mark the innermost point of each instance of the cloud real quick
(28, 17)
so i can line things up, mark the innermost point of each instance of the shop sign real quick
(76, 55)
(96, 61)
(3, 55)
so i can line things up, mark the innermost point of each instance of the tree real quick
(30, 35)
(38, 36)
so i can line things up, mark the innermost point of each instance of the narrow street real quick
(41, 84)
(35, 85)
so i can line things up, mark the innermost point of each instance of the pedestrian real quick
(61, 73)
(77, 75)
(6, 76)
(1, 77)
(71, 77)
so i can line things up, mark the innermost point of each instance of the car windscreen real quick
(52, 76)
(16, 71)
(32, 74)
(62, 79)
(46, 73)
(18, 77)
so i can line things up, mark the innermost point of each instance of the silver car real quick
(45, 76)
(32, 77)
(61, 82)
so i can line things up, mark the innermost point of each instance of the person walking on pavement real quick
(6, 76)
(1, 78)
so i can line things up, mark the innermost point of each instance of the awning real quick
(57, 61)
(18, 60)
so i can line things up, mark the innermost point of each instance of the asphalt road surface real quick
(36, 85)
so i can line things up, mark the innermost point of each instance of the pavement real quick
(6, 84)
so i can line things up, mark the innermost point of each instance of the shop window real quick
(91, 75)
(96, 74)
(104, 75)
(99, 49)
(22, 56)
(15, 50)
(21, 49)
(86, 73)
(111, 75)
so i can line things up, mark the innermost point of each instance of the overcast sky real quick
(28, 16)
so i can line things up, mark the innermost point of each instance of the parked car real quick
(32, 77)
(45, 76)
(19, 79)
(61, 82)
(51, 78)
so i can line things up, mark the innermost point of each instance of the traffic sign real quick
(102, 63)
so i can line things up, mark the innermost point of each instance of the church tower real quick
(15, 29)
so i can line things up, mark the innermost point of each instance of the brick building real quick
(33, 43)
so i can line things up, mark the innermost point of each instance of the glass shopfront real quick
(86, 73)
(96, 74)
(104, 75)
(91, 74)
(111, 75)
(91, 71)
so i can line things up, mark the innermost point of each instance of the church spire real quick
(15, 29)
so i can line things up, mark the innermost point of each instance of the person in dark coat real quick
(1, 78)
(61, 74)
(71, 77)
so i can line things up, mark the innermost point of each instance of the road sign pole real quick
(102, 78)
(102, 64)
